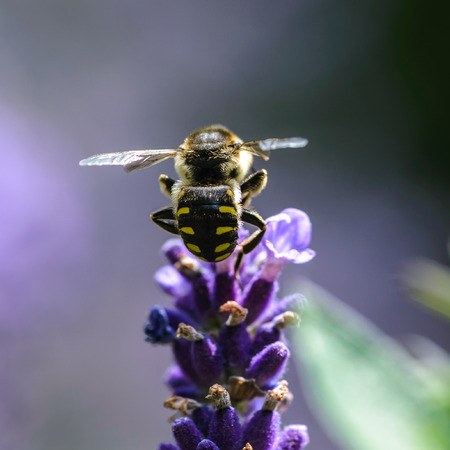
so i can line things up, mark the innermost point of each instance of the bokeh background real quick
(365, 82)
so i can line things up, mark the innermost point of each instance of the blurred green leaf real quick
(369, 393)
(428, 283)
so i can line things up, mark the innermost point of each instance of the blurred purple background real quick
(363, 81)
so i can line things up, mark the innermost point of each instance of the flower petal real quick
(288, 236)
(172, 282)
(292, 255)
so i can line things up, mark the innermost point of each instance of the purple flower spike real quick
(262, 430)
(206, 444)
(229, 329)
(186, 434)
(268, 363)
(286, 239)
(293, 437)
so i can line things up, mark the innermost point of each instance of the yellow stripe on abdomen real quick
(193, 247)
(220, 258)
(184, 210)
(227, 209)
(222, 247)
(187, 230)
(222, 230)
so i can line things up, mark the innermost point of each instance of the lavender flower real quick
(287, 239)
(226, 334)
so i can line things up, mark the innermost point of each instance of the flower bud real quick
(182, 351)
(167, 446)
(270, 332)
(234, 339)
(186, 433)
(225, 288)
(263, 428)
(202, 418)
(268, 363)
(163, 323)
(293, 437)
(257, 298)
(206, 444)
(206, 359)
(225, 429)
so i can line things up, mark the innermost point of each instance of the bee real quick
(211, 199)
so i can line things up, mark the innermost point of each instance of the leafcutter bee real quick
(211, 199)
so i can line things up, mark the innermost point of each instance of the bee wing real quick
(262, 148)
(130, 160)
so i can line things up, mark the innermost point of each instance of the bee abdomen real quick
(208, 221)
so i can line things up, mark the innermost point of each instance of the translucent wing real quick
(130, 160)
(262, 148)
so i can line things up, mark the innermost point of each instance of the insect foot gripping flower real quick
(226, 332)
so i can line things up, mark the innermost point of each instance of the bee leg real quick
(253, 218)
(252, 186)
(249, 244)
(166, 183)
(165, 219)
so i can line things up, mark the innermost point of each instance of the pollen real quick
(187, 230)
(227, 209)
(193, 247)
(222, 257)
(222, 247)
(184, 210)
(221, 230)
